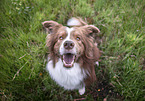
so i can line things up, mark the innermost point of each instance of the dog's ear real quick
(91, 29)
(51, 26)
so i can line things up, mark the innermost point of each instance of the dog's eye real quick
(78, 38)
(60, 38)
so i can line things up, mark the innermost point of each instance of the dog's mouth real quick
(68, 60)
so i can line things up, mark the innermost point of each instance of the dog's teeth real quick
(64, 62)
(72, 62)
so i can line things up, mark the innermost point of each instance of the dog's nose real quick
(68, 44)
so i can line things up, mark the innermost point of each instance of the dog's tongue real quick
(68, 60)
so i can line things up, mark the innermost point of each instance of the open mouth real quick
(68, 60)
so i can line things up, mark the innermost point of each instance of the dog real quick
(73, 53)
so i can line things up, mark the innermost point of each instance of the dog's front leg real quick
(82, 90)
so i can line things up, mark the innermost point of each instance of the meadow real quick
(23, 51)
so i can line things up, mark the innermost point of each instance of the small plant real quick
(22, 6)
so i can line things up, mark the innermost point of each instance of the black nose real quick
(68, 44)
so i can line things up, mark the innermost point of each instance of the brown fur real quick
(90, 54)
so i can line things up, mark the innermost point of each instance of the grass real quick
(23, 52)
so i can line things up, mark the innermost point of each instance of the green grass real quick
(23, 51)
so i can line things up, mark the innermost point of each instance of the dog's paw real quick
(82, 91)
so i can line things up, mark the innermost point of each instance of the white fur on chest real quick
(69, 78)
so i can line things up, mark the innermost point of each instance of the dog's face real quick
(70, 43)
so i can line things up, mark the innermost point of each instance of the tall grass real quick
(23, 51)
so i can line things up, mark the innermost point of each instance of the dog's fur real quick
(73, 53)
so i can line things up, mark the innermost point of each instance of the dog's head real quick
(70, 44)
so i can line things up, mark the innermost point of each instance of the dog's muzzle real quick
(68, 57)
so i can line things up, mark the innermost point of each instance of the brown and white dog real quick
(73, 53)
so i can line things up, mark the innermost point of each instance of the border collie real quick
(73, 53)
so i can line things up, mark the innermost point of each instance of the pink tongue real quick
(68, 58)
